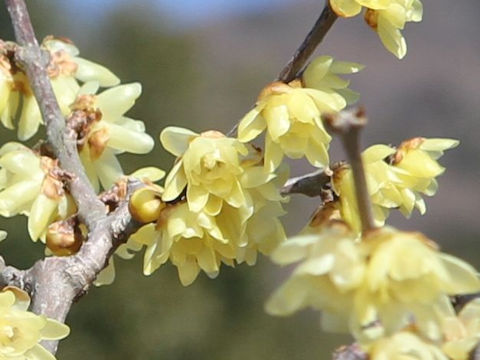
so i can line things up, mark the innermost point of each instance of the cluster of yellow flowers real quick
(21, 330)
(386, 17)
(396, 178)
(291, 113)
(32, 185)
(106, 133)
(390, 287)
(64, 70)
(219, 205)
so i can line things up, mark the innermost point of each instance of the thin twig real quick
(292, 69)
(34, 60)
(308, 46)
(348, 125)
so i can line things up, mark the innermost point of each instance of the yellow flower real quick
(32, 185)
(291, 113)
(9, 97)
(21, 330)
(349, 8)
(67, 62)
(196, 241)
(331, 268)
(406, 275)
(386, 17)
(64, 69)
(230, 212)
(395, 178)
(107, 132)
(322, 74)
(382, 183)
(388, 22)
(374, 287)
(416, 166)
(462, 332)
(210, 163)
(404, 345)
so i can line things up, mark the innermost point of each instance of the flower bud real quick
(145, 205)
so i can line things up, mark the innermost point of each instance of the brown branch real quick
(55, 283)
(308, 46)
(348, 125)
(63, 141)
(291, 70)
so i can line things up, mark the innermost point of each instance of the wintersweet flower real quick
(462, 332)
(386, 17)
(21, 330)
(291, 113)
(408, 276)
(388, 22)
(323, 74)
(210, 163)
(373, 287)
(331, 269)
(64, 55)
(238, 213)
(106, 132)
(404, 345)
(349, 8)
(416, 166)
(8, 96)
(65, 70)
(396, 178)
(382, 183)
(196, 241)
(32, 185)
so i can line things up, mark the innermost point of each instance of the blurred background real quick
(201, 64)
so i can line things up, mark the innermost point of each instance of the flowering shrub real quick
(222, 201)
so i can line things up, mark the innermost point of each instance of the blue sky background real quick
(185, 12)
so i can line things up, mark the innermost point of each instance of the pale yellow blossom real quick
(462, 332)
(65, 70)
(9, 97)
(416, 165)
(349, 8)
(373, 287)
(386, 17)
(382, 184)
(220, 206)
(291, 113)
(404, 345)
(31, 184)
(21, 330)
(108, 132)
(388, 22)
(323, 74)
(407, 275)
(396, 178)
(331, 269)
(196, 241)
(210, 163)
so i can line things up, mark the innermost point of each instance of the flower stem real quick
(348, 125)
